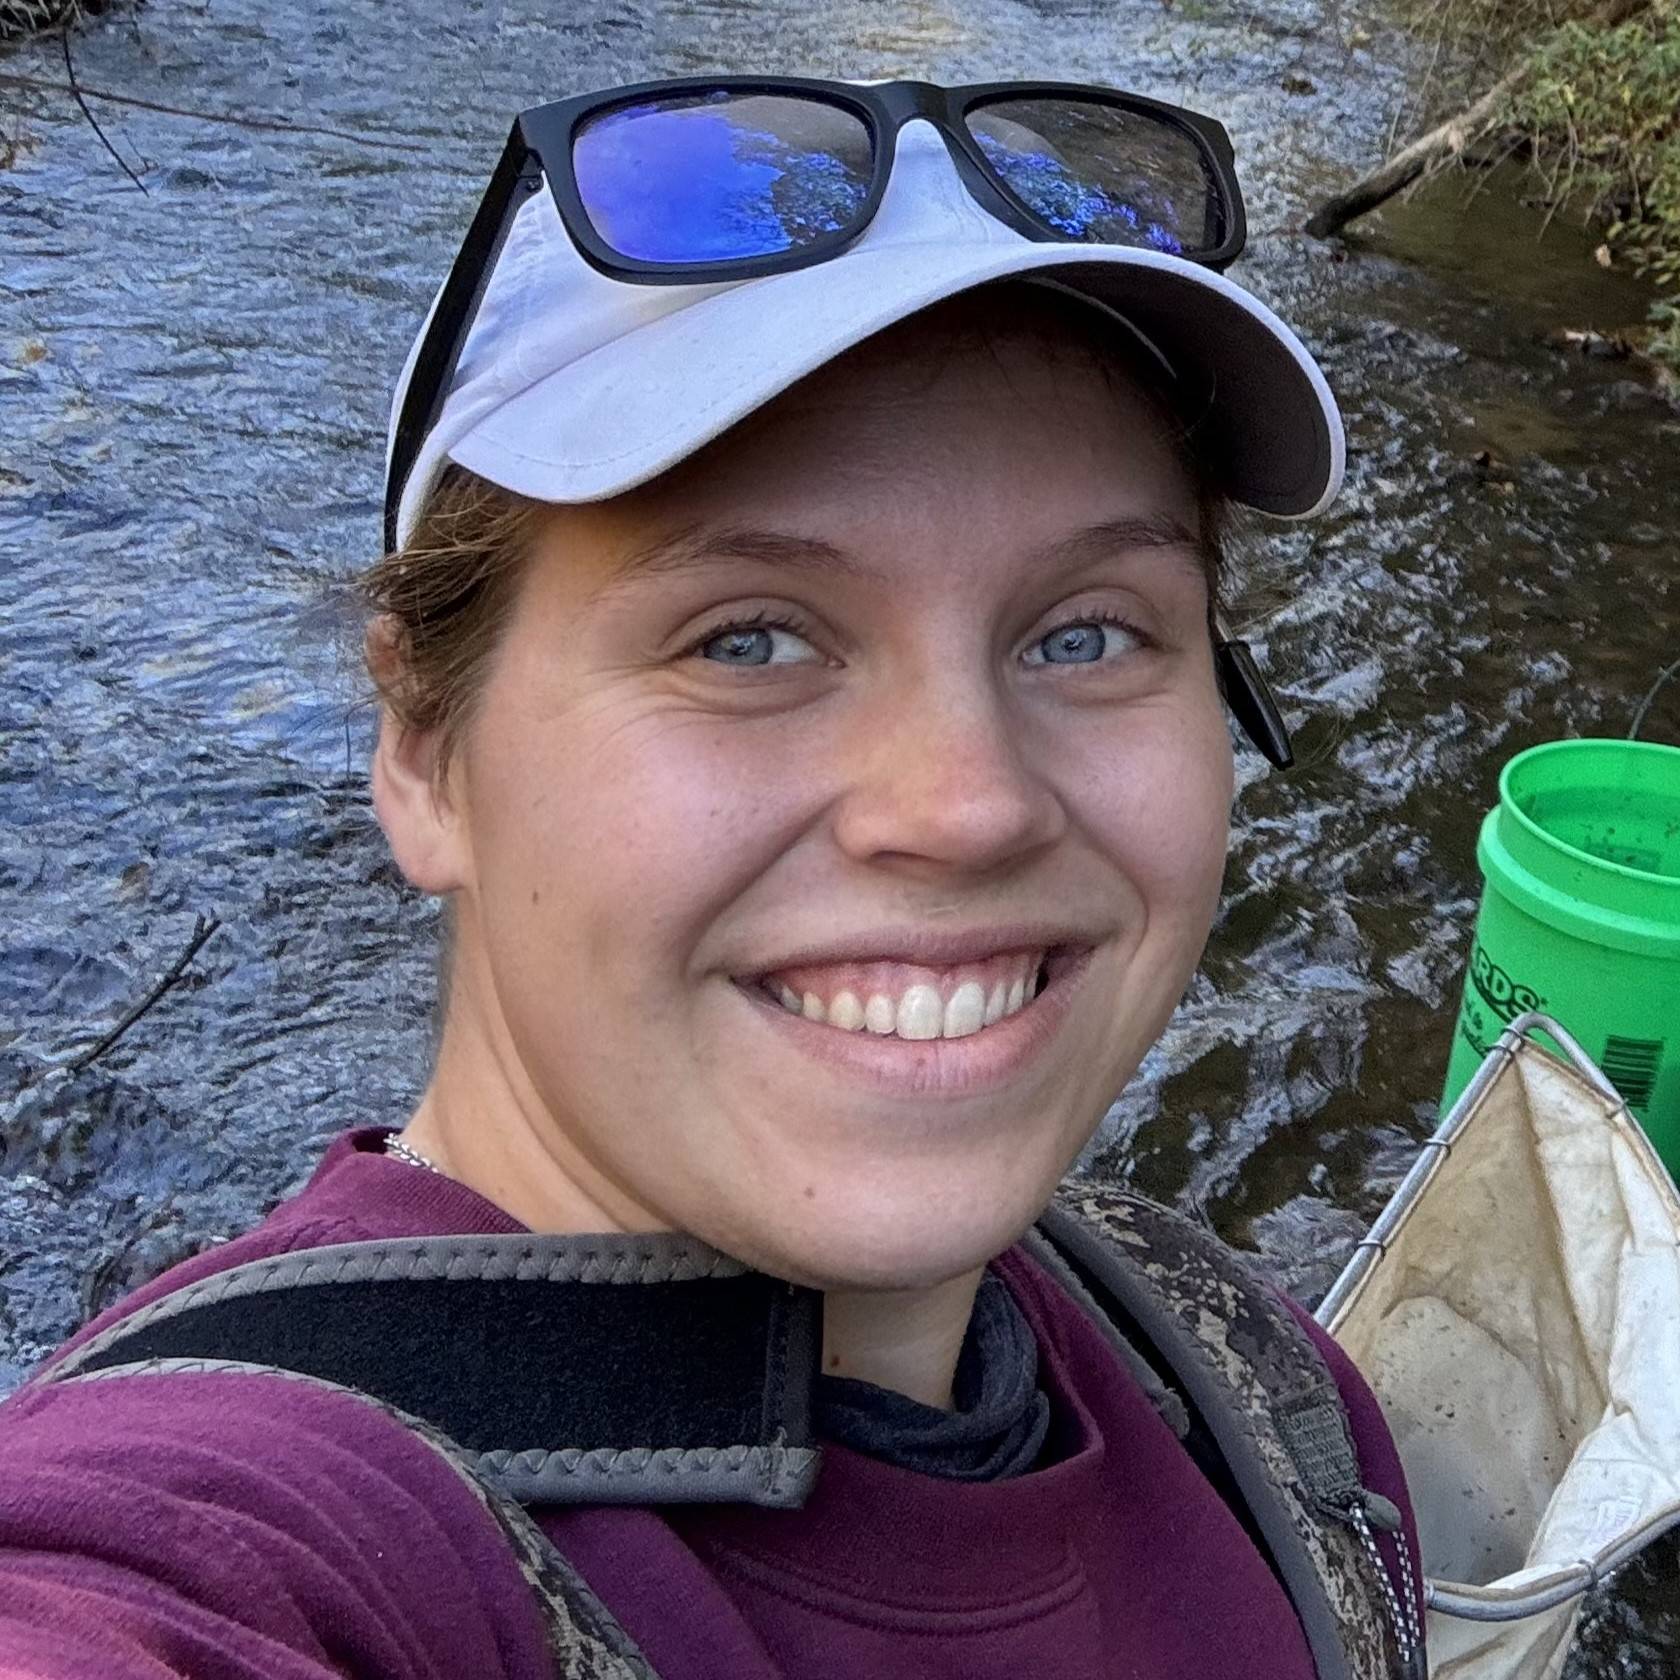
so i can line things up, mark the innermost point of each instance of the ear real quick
(421, 820)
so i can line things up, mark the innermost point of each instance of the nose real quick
(941, 784)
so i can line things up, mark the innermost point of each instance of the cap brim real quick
(636, 406)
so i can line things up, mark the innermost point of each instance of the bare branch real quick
(93, 121)
(232, 119)
(203, 927)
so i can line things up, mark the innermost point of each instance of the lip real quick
(931, 948)
(936, 1068)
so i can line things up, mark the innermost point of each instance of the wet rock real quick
(1606, 347)
(1488, 469)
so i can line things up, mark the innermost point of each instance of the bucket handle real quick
(1645, 705)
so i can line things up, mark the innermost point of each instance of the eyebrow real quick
(697, 547)
(1128, 535)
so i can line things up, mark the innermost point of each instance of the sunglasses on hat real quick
(707, 180)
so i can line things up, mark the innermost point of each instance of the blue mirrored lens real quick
(1102, 174)
(716, 176)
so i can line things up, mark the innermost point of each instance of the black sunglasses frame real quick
(539, 150)
(882, 110)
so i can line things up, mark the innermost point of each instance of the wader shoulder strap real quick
(584, 1639)
(481, 1336)
(467, 1342)
(1253, 1379)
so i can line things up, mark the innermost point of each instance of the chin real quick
(905, 1242)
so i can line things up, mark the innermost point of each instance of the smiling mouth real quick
(913, 1001)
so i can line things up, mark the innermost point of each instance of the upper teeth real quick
(953, 1005)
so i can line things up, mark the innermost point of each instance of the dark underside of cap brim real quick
(1255, 415)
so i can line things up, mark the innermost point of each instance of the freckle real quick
(810, 1192)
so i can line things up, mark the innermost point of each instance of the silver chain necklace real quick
(400, 1151)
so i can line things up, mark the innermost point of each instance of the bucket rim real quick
(1545, 749)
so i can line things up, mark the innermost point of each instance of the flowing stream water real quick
(193, 384)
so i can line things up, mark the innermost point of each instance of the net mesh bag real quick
(1517, 1312)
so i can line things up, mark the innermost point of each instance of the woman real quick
(800, 679)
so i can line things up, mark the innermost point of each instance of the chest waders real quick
(471, 1332)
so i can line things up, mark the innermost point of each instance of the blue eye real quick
(755, 643)
(740, 647)
(1074, 644)
(1083, 642)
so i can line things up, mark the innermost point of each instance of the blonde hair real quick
(443, 598)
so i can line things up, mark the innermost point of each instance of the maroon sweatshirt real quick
(229, 1527)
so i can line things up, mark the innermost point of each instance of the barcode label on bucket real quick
(1632, 1065)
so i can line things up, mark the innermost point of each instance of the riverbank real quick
(1587, 94)
(21, 20)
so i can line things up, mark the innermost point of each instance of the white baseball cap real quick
(572, 387)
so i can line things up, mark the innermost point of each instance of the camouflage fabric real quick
(1282, 1412)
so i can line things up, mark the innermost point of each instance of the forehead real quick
(1005, 421)
(938, 452)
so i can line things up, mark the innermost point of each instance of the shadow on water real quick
(193, 383)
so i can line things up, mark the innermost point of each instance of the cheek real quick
(613, 835)
(1161, 808)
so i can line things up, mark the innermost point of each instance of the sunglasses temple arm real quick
(452, 319)
(1249, 698)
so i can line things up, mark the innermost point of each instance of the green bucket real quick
(1581, 918)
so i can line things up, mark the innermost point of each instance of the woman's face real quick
(891, 699)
